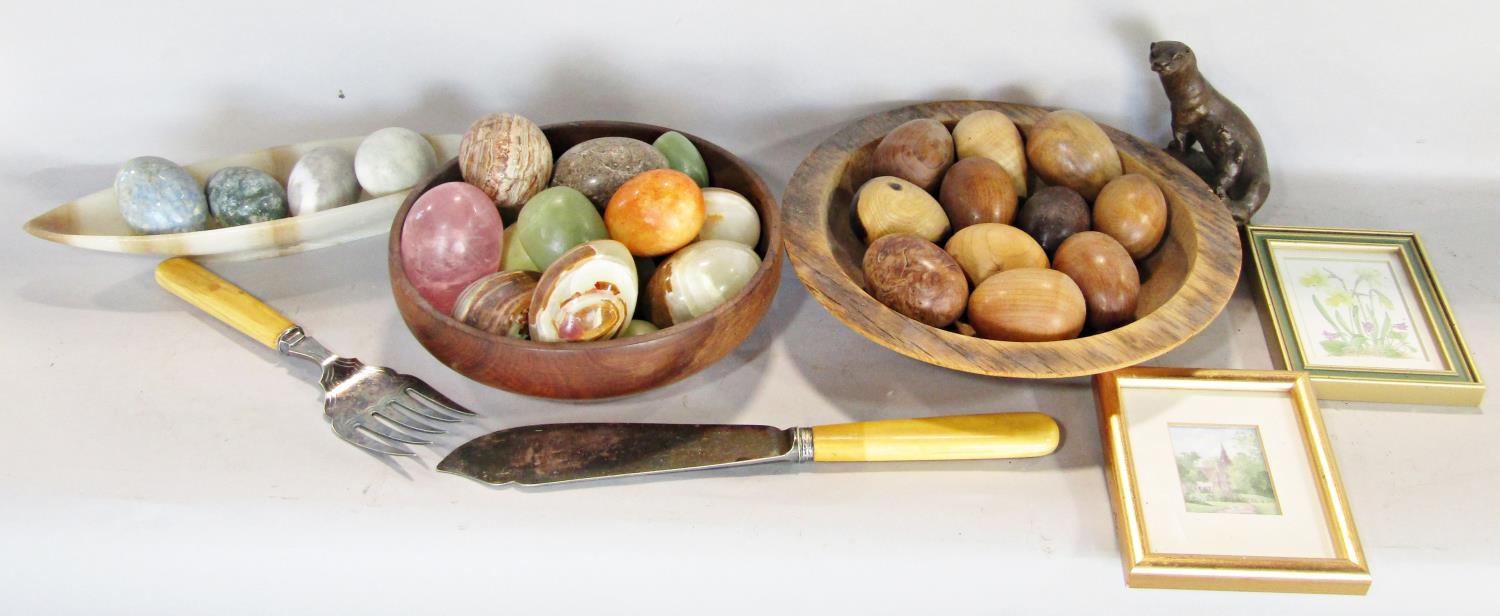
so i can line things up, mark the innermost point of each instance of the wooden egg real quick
(1053, 214)
(507, 157)
(916, 278)
(1132, 210)
(977, 190)
(498, 303)
(1027, 305)
(729, 216)
(656, 212)
(991, 134)
(918, 151)
(588, 294)
(698, 279)
(986, 248)
(1066, 148)
(887, 205)
(1105, 274)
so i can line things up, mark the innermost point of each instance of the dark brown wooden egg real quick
(916, 278)
(918, 151)
(1106, 275)
(888, 205)
(1053, 214)
(977, 190)
(1066, 148)
(1027, 305)
(1132, 210)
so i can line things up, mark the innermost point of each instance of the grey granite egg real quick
(243, 195)
(598, 167)
(155, 195)
(322, 179)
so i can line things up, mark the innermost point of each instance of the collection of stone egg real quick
(628, 238)
(1063, 260)
(156, 195)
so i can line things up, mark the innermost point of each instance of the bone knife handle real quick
(958, 437)
(221, 299)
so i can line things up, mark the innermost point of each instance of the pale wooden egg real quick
(991, 134)
(987, 248)
(887, 204)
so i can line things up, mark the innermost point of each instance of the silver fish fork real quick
(376, 408)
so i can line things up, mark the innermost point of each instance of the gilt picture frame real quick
(1225, 480)
(1363, 314)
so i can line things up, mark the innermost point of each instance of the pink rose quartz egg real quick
(452, 237)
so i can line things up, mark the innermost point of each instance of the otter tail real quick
(1247, 205)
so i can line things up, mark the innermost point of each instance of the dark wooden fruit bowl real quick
(1185, 283)
(609, 368)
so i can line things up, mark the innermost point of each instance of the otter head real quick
(1170, 57)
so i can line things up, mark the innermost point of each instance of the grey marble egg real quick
(244, 195)
(322, 179)
(156, 195)
(598, 167)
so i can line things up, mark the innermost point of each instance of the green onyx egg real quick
(555, 220)
(638, 328)
(698, 278)
(729, 216)
(514, 257)
(682, 156)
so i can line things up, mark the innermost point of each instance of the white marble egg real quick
(729, 217)
(698, 279)
(322, 179)
(393, 159)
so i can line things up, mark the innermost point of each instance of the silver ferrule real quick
(295, 343)
(802, 445)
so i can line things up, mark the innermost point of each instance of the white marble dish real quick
(94, 221)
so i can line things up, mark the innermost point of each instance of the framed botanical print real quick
(1224, 480)
(1363, 314)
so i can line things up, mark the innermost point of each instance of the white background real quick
(156, 462)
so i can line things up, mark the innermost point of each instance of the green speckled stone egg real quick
(244, 195)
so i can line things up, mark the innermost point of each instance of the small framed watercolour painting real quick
(1224, 480)
(1362, 313)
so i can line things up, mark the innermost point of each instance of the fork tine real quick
(371, 443)
(386, 428)
(429, 396)
(402, 415)
(415, 405)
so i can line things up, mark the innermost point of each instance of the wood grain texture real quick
(958, 437)
(612, 368)
(222, 300)
(1185, 283)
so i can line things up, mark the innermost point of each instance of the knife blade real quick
(558, 453)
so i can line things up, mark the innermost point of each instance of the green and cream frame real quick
(1362, 313)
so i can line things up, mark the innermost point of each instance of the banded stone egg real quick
(498, 303)
(507, 156)
(698, 279)
(729, 216)
(588, 294)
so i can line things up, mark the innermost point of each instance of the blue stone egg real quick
(243, 195)
(157, 196)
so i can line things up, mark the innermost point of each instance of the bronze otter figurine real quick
(1239, 175)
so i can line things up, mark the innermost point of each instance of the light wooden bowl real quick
(1185, 283)
(611, 368)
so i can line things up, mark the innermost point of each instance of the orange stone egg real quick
(656, 212)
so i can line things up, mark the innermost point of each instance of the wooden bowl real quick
(610, 368)
(1185, 282)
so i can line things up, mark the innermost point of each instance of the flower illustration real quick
(1402, 326)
